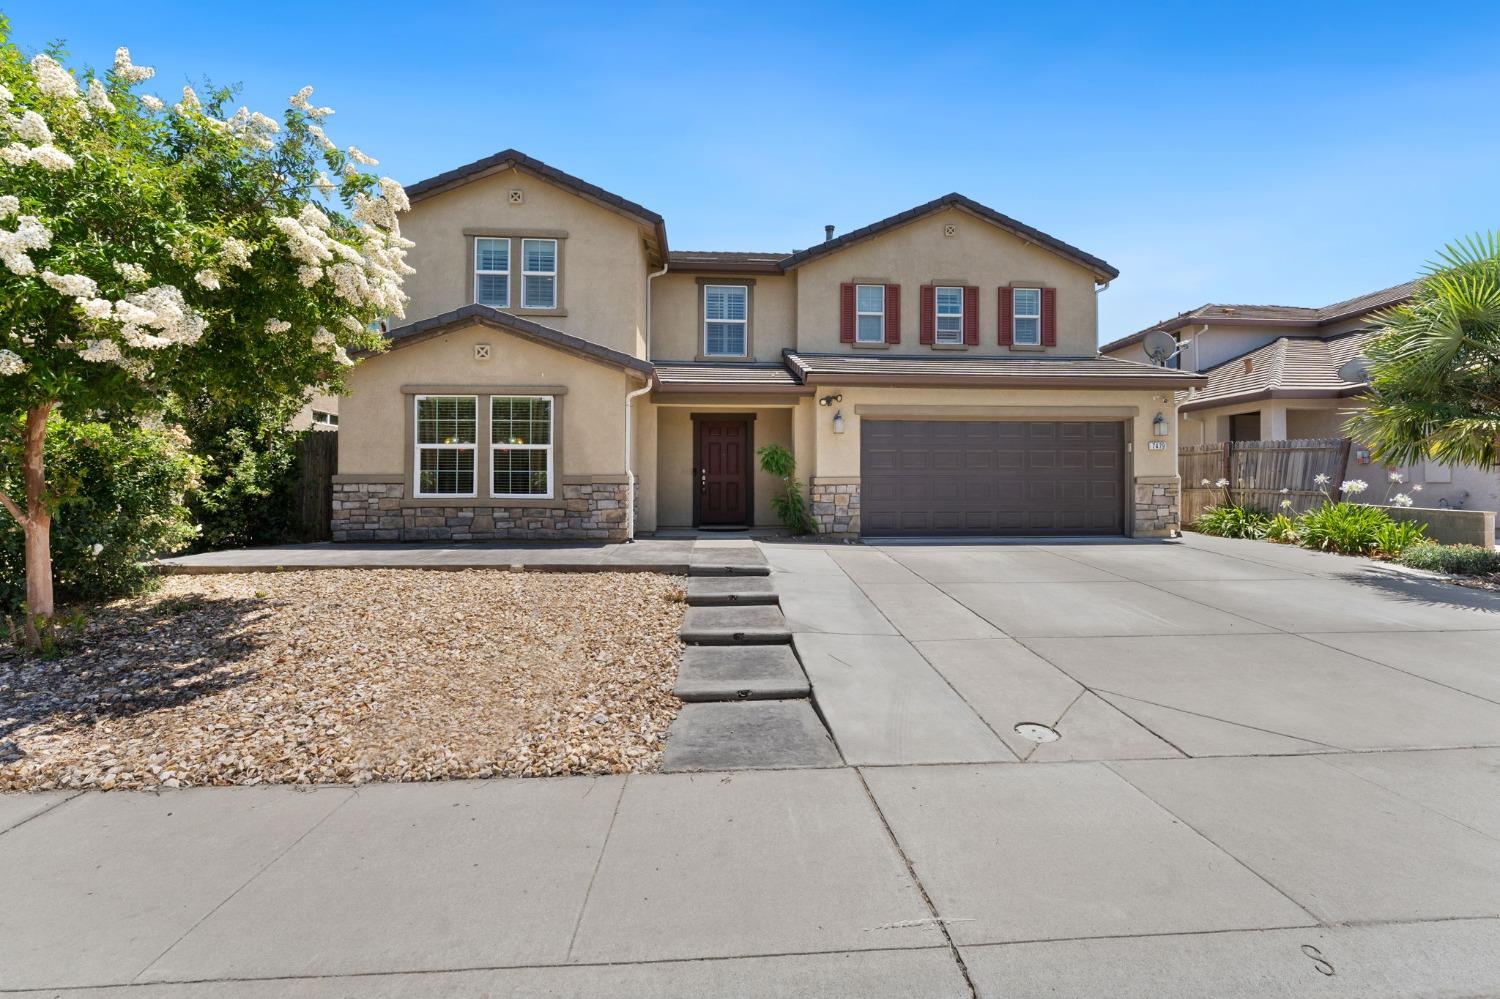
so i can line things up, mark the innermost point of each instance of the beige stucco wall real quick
(918, 253)
(676, 332)
(322, 403)
(838, 454)
(675, 460)
(602, 266)
(373, 414)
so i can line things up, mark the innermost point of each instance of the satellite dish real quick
(1159, 346)
(1355, 371)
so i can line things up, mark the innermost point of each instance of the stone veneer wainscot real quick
(1158, 511)
(835, 507)
(377, 511)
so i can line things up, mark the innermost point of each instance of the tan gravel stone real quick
(348, 676)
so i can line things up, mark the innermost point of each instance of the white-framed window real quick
(869, 313)
(948, 304)
(446, 440)
(322, 419)
(1026, 316)
(521, 438)
(726, 320)
(538, 273)
(492, 272)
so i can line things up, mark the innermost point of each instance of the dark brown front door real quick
(723, 471)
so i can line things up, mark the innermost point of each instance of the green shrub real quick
(1345, 528)
(1395, 537)
(1459, 560)
(1232, 521)
(1282, 529)
(789, 505)
(122, 503)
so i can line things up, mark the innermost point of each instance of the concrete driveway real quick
(1276, 776)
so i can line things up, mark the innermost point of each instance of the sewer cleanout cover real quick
(1037, 732)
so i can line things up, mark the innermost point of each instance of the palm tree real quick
(1434, 367)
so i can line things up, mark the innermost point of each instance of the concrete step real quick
(730, 591)
(740, 673)
(746, 561)
(751, 735)
(734, 626)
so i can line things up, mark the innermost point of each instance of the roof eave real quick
(1263, 395)
(1037, 380)
(482, 315)
(726, 388)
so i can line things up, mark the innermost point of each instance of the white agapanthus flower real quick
(1222, 483)
(134, 273)
(73, 285)
(1321, 479)
(52, 79)
(277, 325)
(1205, 482)
(9, 205)
(11, 363)
(1397, 478)
(98, 98)
(128, 71)
(32, 127)
(1401, 499)
(359, 157)
(235, 252)
(1354, 486)
(1286, 504)
(1417, 487)
(29, 234)
(152, 103)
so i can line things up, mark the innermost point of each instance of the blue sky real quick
(1251, 152)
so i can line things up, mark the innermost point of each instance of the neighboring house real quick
(1273, 375)
(932, 373)
(318, 412)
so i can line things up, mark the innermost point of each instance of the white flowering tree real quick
(148, 249)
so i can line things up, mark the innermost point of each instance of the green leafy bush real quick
(1345, 528)
(1459, 560)
(1281, 529)
(790, 507)
(1395, 537)
(1232, 521)
(123, 492)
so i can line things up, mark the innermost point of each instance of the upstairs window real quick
(726, 320)
(521, 446)
(492, 272)
(948, 304)
(869, 313)
(538, 273)
(1027, 317)
(447, 432)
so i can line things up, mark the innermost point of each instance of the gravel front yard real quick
(340, 676)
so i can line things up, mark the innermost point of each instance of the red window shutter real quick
(1049, 317)
(971, 316)
(926, 321)
(893, 313)
(1007, 310)
(846, 313)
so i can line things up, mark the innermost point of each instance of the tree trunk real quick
(38, 529)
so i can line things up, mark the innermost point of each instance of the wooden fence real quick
(312, 506)
(1258, 471)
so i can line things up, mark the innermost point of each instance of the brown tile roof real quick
(1287, 368)
(954, 200)
(483, 315)
(1276, 315)
(725, 261)
(684, 376)
(516, 158)
(965, 370)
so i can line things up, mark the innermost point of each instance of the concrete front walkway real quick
(1276, 776)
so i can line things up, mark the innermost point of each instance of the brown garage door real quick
(991, 478)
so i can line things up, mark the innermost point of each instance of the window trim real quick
(858, 313)
(937, 331)
(703, 351)
(418, 447)
(549, 447)
(476, 272)
(1016, 316)
(554, 274)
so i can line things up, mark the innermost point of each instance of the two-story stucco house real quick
(560, 369)
(1273, 374)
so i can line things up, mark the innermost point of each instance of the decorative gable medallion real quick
(517, 196)
(950, 229)
(481, 352)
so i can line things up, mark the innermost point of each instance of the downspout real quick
(630, 398)
(1098, 290)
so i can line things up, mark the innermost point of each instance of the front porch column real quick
(1273, 422)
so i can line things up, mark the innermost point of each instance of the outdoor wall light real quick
(838, 421)
(829, 400)
(1159, 426)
